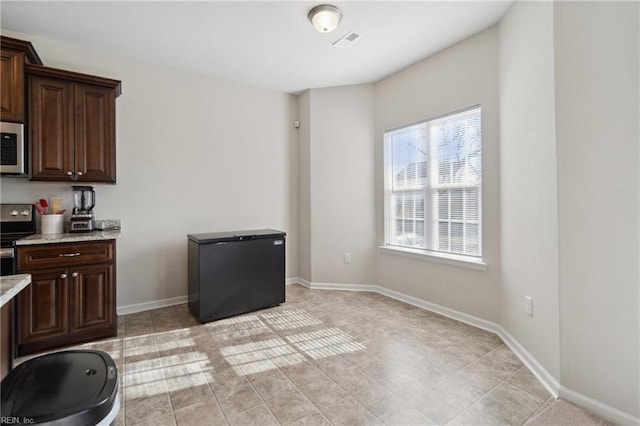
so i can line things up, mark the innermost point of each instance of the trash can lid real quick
(78, 387)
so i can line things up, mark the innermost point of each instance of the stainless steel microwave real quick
(13, 152)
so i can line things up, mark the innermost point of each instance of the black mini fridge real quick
(232, 273)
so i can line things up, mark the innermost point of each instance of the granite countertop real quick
(68, 237)
(11, 285)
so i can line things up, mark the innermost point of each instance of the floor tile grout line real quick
(292, 382)
(314, 404)
(351, 395)
(524, 390)
(307, 398)
(444, 377)
(486, 394)
(264, 402)
(327, 376)
(215, 397)
(173, 410)
(451, 374)
(256, 392)
(226, 418)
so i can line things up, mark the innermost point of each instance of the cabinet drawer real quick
(64, 255)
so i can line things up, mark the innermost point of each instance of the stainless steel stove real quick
(16, 221)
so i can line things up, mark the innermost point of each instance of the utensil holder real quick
(52, 224)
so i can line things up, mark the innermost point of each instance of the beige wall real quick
(304, 178)
(194, 154)
(460, 76)
(597, 119)
(341, 191)
(528, 181)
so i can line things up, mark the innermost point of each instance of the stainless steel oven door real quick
(12, 149)
(7, 261)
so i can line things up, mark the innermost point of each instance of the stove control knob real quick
(25, 212)
(14, 212)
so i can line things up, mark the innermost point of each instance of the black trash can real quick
(62, 388)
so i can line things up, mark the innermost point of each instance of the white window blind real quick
(433, 182)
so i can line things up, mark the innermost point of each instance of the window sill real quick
(449, 259)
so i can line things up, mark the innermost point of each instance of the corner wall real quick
(304, 186)
(597, 117)
(337, 172)
(528, 182)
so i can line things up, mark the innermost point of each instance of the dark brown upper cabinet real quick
(72, 122)
(14, 54)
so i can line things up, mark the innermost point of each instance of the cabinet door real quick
(6, 338)
(12, 85)
(92, 299)
(95, 133)
(51, 129)
(42, 307)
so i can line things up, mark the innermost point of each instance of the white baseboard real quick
(442, 310)
(548, 381)
(147, 306)
(451, 313)
(344, 287)
(460, 316)
(603, 410)
(301, 281)
(541, 373)
(156, 304)
(290, 281)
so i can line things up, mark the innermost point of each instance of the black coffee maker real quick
(84, 200)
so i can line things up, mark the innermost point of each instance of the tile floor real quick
(322, 358)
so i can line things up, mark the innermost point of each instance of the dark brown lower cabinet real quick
(43, 307)
(71, 303)
(92, 299)
(6, 338)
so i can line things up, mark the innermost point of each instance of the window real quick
(433, 183)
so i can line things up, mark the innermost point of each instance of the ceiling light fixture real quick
(325, 17)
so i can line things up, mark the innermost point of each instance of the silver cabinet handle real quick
(74, 275)
(69, 173)
(63, 276)
(79, 173)
(69, 254)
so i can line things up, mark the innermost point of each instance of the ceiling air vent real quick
(347, 40)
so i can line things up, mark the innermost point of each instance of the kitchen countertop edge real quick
(68, 237)
(11, 285)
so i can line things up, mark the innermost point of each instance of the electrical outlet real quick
(346, 258)
(528, 305)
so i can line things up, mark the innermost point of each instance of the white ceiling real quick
(266, 44)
